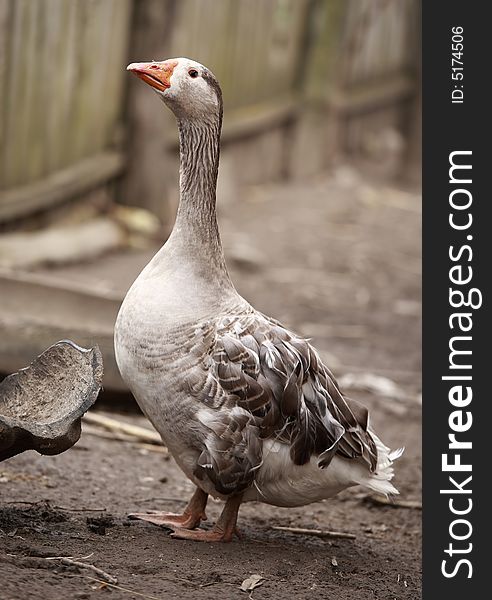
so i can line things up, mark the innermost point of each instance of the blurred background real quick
(318, 195)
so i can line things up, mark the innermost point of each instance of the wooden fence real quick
(61, 82)
(254, 47)
(378, 67)
(361, 79)
(301, 78)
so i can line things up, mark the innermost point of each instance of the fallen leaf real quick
(252, 582)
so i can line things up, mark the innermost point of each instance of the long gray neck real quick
(196, 234)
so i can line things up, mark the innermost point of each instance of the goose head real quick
(188, 88)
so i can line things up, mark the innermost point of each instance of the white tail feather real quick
(380, 480)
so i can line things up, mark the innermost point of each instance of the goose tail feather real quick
(380, 480)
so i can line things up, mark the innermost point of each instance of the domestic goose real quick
(246, 407)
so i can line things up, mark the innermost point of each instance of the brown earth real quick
(338, 260)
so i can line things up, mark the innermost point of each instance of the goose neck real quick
(196, 230)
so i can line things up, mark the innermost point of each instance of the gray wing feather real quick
(263, 382)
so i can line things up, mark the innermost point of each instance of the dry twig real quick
(114, 436)
(133, 432)
(161, 498)
(322, 533)
(122, 589)
(81, 565)
(394, 502)
(152, 448)
(107, 435)
(81, 509)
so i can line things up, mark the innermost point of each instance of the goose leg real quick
(222, 531)
(192, 515)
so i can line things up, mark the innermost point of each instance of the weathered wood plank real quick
(5, 27)
(61, 185)
(371, 95)
(115, 75)
(61, 71)
(320, 64)
(59, 245)
(61, 75)
(38, 310)
(154, 26)
(82, 109)
(15, 96)
(376, 41)
(35, 117)
(259, 118)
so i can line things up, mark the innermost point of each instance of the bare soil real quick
(337, 259)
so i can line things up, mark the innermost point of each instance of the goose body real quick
(246, 407)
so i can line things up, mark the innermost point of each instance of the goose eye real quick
(193, 73)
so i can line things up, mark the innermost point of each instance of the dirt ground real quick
(338, 260)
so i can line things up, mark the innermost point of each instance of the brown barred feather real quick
(268, 383)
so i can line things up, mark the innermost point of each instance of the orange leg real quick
(192, 515)
(222, 531)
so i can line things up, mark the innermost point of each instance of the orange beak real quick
(156, 74)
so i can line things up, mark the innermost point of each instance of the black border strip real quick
(455, 127)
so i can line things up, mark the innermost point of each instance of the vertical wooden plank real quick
(66, 84)
(39, 129)
(115, 72)
(320, 63)
(5, 27)
(154, 36)
(107, 63)
(217, 22)
(374, 24)
(260, 42)
(287, 16)
(55, 57)
(19, 91)
(352, 33)
(246, 54)
(202, 29)
(188, 24)
(177, 41)
(100, 25)
(34, 118)
(12, 83)
(298, 47)
(274, 45)
(26, 167)
(226, 38)
(196, 30)
(81, 125)
(233, 73)
(250, 57)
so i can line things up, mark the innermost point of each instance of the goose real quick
(245, 406)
